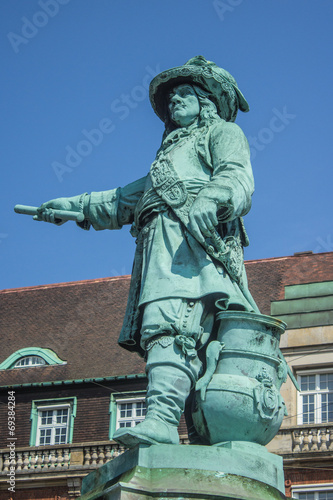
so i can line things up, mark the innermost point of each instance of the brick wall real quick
(307, 475)
(55, 493)
(92, 417)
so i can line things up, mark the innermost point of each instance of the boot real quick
(170, 376)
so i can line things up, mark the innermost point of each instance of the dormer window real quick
(31, 356)
(29, 361)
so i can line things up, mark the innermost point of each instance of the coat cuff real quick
(100, 210)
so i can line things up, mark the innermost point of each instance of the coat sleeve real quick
(113, 208)
(232, 177)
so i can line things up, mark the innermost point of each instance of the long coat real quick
(169, 262)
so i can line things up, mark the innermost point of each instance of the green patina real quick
(306, 305)
(188, 472)
(78, 381)
(48, 355)
(309, 290)
(302, 305)
(189, 290)
(307, 320)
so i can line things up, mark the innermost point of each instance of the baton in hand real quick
(64, 215)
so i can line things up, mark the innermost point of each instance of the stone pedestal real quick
(235, 470)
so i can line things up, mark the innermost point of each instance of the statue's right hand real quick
(46, 214)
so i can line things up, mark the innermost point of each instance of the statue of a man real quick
(187, 217)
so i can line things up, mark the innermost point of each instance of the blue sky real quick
(71, 66)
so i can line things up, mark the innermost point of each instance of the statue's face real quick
(183, 105)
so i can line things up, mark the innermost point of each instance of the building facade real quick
(66, 385)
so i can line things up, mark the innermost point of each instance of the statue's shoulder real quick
(226, 134)
(221, 126)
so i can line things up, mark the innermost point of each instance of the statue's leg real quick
(171, 373)
(171, 331)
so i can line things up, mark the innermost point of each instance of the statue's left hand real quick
(203, 218)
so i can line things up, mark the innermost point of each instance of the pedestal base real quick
(234, 470)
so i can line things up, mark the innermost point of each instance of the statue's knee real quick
(167, 350)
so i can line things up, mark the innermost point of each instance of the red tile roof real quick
(81, 320)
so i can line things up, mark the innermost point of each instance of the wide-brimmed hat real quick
(221, 86)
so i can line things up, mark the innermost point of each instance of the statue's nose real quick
(176, 99)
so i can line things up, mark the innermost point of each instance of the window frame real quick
(32, 364)
(52, 404)
(123, 397)
(53, 425)
(317, 392)
(132, 418)
(310, 488)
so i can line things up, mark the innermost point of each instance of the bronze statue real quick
(187, 217)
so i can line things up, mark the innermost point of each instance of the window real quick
(316, 397)
(130, 413)
(52, 426)
(30, 361)
(31, 356)
(314, 493)
(52, 422)
(126, 410)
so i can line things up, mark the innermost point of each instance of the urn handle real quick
(212, 356)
